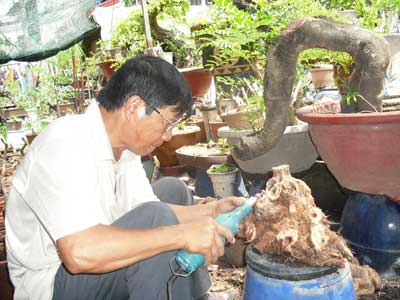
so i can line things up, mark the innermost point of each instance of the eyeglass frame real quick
(171, 125)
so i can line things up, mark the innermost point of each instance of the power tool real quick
(189, 262)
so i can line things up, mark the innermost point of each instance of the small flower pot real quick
(223, 183)
(322, 76)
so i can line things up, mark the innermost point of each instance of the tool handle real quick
(191, 261)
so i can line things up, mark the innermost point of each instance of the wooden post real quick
(147, 30)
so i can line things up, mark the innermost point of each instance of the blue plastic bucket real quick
(371, 224)
(270, 279)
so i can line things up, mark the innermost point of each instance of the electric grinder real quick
(189, 262)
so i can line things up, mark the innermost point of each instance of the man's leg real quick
(172, 190)
(144, 280)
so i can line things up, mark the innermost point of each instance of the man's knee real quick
(148, 215)
(173, 190)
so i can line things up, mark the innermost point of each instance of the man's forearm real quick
(105, 248)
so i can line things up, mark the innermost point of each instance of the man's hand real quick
(226, 205)
(204, 237)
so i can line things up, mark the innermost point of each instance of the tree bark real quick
(369, 50)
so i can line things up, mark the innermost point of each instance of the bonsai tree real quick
(369, 51)
(243, 32)
(130, 32)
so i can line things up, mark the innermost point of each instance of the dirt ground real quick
(231, 280)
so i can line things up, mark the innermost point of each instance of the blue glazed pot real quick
(371, 224)
(268, 279)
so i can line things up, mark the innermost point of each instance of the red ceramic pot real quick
(362, 150)
(199, 80)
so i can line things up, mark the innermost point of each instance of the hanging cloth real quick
(32, 30)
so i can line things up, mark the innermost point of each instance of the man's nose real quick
(167, 135)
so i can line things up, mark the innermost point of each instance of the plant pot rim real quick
(328, 113)
(236, 169)
(226, 131)
(201, 157)
(244, 109)
(187, 129)
(322, 67)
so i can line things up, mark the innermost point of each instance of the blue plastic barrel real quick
(270, 279)
(371, 225)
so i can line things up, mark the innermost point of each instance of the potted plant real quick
(14, 124)
(129, 33)
(357, 148)
(223, 177)
(328, 68)
(203, 155)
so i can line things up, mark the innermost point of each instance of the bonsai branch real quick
(369, 51)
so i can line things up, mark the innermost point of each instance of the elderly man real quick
(82, 220)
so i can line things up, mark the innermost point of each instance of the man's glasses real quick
(171, 125)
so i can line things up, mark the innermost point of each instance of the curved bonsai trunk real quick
(369, 50)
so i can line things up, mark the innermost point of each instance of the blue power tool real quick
(189, 262)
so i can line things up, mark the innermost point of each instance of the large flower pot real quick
(199, 80)
(360, 149)
(202, 156)
(294, 148)
(7, 113)
(166, 152)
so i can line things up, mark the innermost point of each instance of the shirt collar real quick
(99, 133)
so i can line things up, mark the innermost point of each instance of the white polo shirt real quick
(67, 182)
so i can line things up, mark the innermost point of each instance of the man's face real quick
(147, 132)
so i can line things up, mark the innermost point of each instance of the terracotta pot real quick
(201, 135)
(201, 156)
(199, 80)
(322, 76)
(66, 108)
(7, 113)
(238, 118)
(166, 152)
(106, 68)
(224, 105)
(360, 149)
(14, 125)
(214, 126)
(172, 171)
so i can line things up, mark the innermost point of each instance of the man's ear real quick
(133, 104)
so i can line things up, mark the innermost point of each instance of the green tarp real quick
(32, 30)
